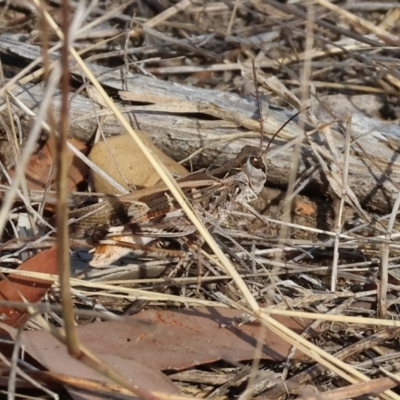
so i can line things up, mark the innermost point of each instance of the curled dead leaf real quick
(15, 287)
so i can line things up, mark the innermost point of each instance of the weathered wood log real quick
(181, 120)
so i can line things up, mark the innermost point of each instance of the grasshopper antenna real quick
(261, 118)
(279, 130)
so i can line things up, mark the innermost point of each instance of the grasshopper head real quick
(256, 171)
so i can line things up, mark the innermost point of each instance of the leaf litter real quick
(175, 340)
(16, 288)
(160, 340)
(328, 231)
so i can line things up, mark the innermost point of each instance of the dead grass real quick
(329, 255)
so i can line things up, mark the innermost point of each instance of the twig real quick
(341, 207)
(63, 259)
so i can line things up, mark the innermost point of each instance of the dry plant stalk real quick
(63, 258)
(69, 335)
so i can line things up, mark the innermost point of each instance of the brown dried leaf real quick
(125, 163)
(19, 288)
(39, 168)
(54, 356)
(143, 344)
(174, 340)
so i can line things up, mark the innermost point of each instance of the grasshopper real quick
(131, 222)
(151, 213)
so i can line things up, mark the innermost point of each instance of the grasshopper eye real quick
(257, 162)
